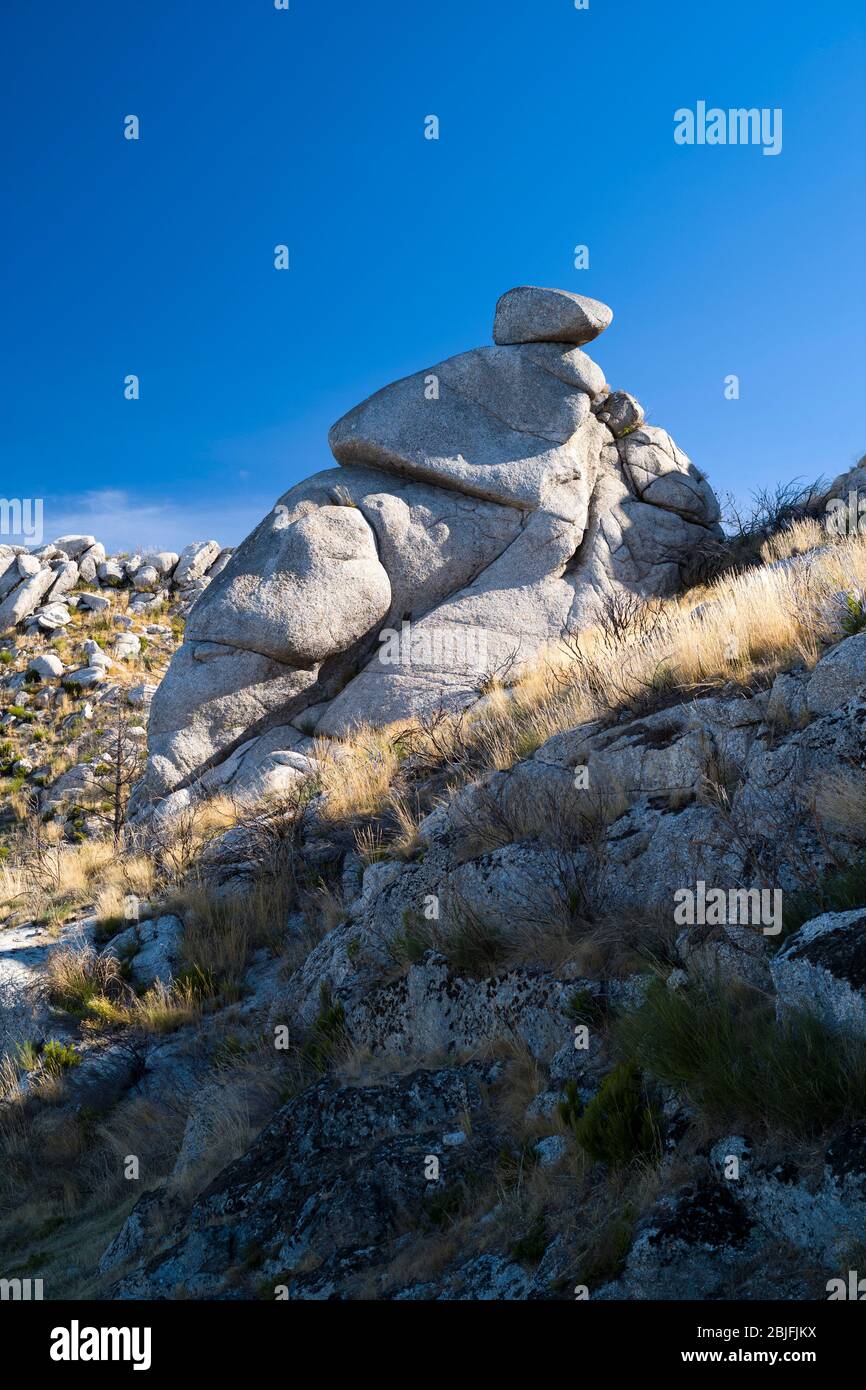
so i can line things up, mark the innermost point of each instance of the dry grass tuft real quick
(358, 782)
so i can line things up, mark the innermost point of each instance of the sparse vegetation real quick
(622, 1123)
(747, 617)
(725, 1052)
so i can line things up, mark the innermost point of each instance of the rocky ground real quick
(415, 1008)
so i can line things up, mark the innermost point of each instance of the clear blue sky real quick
(306, 127)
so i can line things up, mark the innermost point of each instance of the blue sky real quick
(306, 127)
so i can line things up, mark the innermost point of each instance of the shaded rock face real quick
(692, 1245)
(484, 508)
(823, 969)
(327, 1188)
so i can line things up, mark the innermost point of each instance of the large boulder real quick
(837, 676)
(25, 598)
(75, 546)
(152, 949)
(482, 510)
(312, 589)
(331, 1183)
(430, 1010)
(195, 561)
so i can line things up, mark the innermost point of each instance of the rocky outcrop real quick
(473, 1111)
(325, 1191)
(32, 583)
(484, 507)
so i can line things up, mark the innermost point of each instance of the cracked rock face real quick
(822, 968)
(482, 510)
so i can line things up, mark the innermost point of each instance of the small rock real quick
(551, 1151)
(621, 413)
(96, 603)
(48, 667)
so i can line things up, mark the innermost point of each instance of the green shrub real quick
(724, 1051)
(854, 617)
(571, 1108)
(605, 1260)
(326, 1033)
(532, 1244)
(472, 945)
(107, 927)
(19, 712)
(409, 945)
(588, 1008)
(622, 1122)
(57, 1057)
(841, 891)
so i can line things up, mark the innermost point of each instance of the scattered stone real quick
(53, 616)
(97, 603)
(47, 666)
(126, 646)
(86, 676)
(112, 573)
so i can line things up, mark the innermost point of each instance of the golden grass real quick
(178, 846)
(358, 781)
(798, 539)
(48, 879)
(747, 628)
(75, 976)
(222, 932)
(127, 875)
(91, 987)
(750, 626)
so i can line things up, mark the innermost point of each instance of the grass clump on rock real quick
(725, 1052)
(621, 1124)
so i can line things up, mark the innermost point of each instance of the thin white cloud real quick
(123, 521)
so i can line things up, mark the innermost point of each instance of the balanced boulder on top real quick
(532, 315)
